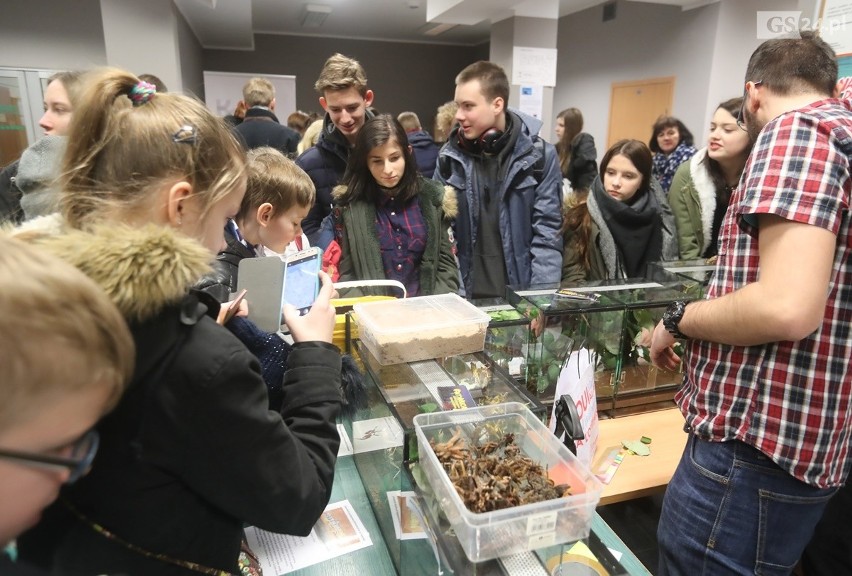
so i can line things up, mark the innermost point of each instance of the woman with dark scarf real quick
(622, 224)
(671, 143)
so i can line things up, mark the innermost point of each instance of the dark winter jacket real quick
(361, 257)
(269, 348)
(530, 208)
(192, 452)
(583, 166)
(222, 281)
(10, 196)
(425, 151)
(260, 127)
(10, 568)
(325, 164)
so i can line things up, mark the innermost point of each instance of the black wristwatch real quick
(672, 317)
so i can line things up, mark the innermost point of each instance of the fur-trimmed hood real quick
(142, 269)
(338, 191)
(706, 193)
(450, 203)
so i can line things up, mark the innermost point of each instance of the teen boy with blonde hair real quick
(277, 199)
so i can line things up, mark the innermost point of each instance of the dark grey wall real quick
(403, 76)
(190, 58)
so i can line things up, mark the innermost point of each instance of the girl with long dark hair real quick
(701, 188)
(576, 149)
(623, 223)
(388, 220)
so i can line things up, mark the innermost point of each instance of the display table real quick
(382, 463)
(639, 476)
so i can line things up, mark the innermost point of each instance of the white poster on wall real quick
(531, 101)
(834, 23)
(222, 91)
(536, 66)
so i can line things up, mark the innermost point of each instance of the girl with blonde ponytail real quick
(192, 452)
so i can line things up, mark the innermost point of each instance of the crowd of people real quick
(168, 426)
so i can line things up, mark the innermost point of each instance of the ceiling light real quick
(315, 15)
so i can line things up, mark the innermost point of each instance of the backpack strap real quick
(444, 166)
(538, 167)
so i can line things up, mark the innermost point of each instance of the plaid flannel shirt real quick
(401, 232)
(790, 400)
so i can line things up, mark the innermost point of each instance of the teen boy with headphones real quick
(507, 188)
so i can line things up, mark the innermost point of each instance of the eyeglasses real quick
(741, 116)
(79, 462)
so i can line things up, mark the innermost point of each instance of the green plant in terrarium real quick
(639, 328)
(639, 324)
(599, 332)
(498, 343)
(427, 407)
(504, 315)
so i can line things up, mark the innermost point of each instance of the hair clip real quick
(186, 134)
(142, 92)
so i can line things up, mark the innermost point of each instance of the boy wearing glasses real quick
(66, 354)
(767, 391)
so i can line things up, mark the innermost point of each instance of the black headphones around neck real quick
(489, 142)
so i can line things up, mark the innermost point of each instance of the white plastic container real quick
(420, 328)
(484, 536)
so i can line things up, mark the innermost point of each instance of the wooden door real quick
(636, 105)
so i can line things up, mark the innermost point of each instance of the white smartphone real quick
(301, 279)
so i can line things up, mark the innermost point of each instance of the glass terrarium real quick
(560, 325)
(689, 276)
(441, 384)
(641, 386)
(507, 336)
(611, 321)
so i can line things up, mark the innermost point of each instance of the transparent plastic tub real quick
(484, 536)
(420, 328)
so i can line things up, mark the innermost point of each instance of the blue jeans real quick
(729, 509)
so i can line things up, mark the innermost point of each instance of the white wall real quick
(706, 49)
(644, 41)
(735, 40)
(142, 37)
(51, 35)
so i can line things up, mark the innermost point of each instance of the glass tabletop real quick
(381, 464)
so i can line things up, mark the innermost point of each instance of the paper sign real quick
(345, 448)
(376, 434)
(577, 378)
(534, 66)
(337, 532)
(531, 101)
(406, 515)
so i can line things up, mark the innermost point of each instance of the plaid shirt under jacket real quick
(401, 231)
(790, 400)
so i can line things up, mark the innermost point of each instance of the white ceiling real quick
(231, 24)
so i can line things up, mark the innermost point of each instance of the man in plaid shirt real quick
(767, 378)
